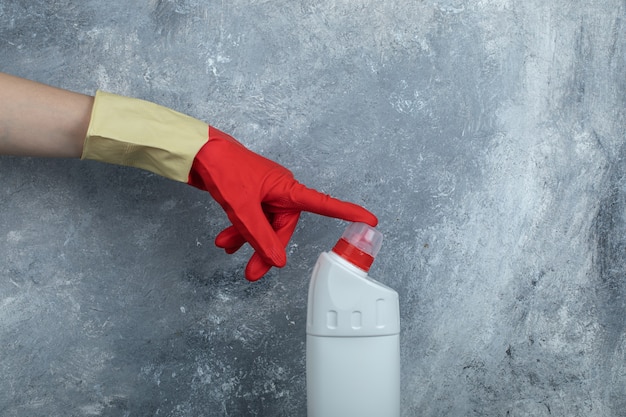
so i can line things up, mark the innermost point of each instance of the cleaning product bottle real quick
(353, 333)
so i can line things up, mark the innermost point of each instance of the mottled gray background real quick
(488, 136)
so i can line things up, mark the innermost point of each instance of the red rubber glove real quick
(260, 197)
(262, 200)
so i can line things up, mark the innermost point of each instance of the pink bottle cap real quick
(359, 245)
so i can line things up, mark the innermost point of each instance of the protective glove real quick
(260, 197)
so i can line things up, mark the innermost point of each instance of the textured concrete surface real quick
(488, 136)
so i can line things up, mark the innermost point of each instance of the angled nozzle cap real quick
(359, 245)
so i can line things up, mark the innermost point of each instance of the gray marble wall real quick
(488, 137)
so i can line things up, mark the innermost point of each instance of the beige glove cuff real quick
(133, 132)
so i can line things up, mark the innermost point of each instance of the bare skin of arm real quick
(41, 121)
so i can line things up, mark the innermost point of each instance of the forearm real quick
(261, 198)
(42, 121)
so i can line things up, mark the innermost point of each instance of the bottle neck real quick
(354, 255)
(347, 264)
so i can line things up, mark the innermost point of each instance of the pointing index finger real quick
(311, 200)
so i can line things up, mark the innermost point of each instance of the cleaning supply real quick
(261, 198)
(353, 333)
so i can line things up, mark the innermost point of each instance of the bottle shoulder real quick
(345, 302)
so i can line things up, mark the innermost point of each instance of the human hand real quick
(260, 197)
(262, 200)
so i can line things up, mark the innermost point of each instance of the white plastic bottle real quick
(353, 333)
